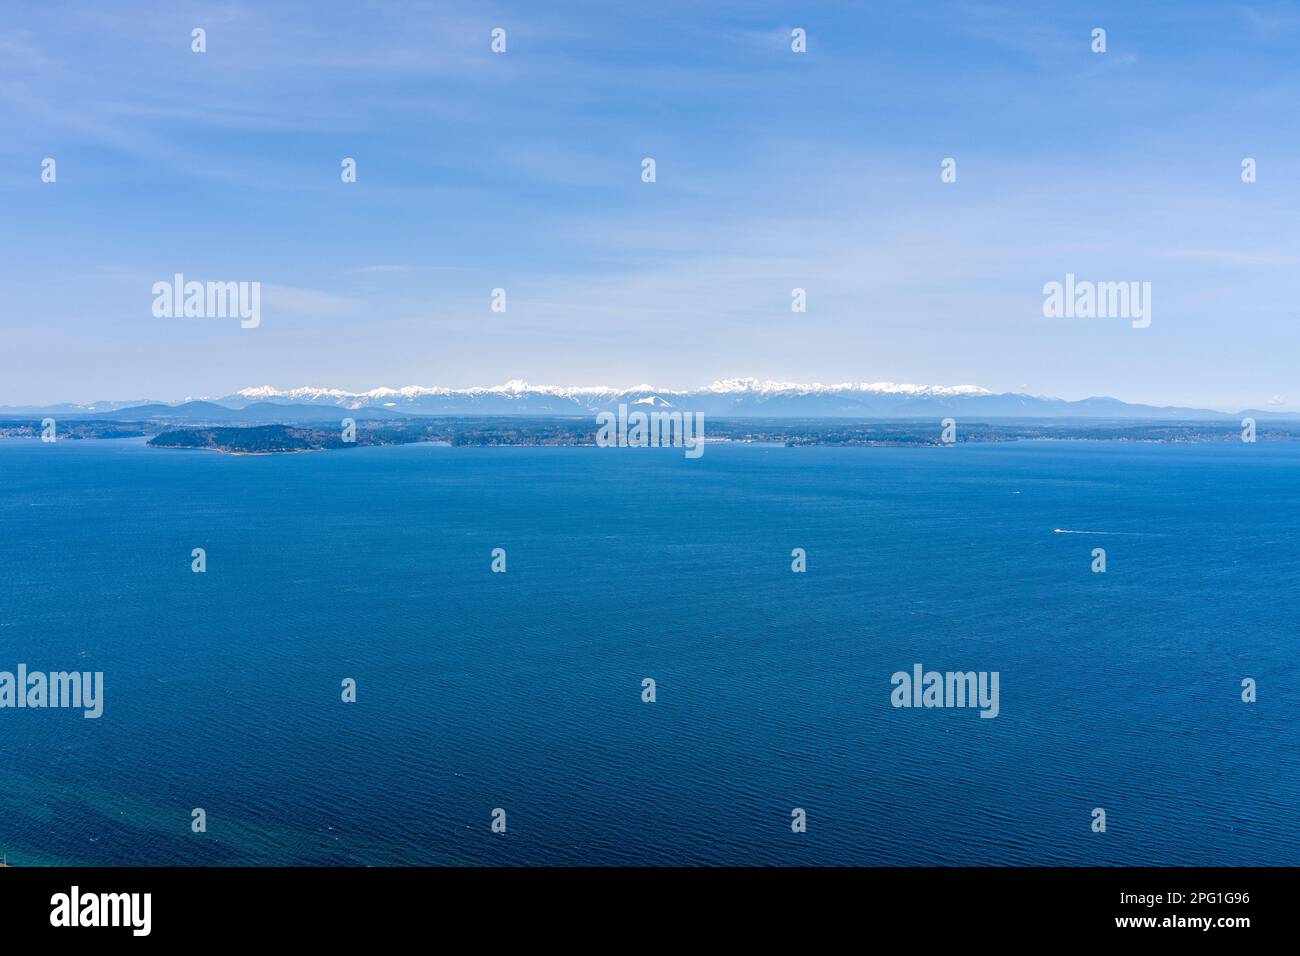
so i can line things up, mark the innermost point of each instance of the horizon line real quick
(723, 386)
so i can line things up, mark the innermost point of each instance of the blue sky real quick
(775, 170)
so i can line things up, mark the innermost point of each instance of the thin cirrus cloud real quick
(775, 171)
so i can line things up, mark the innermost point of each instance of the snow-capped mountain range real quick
(734, 397)
(520, 387)
(583, 397)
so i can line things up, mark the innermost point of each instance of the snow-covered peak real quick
(263, 392)
(746, 385)
(768, 387)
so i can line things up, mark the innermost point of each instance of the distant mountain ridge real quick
(729, 398)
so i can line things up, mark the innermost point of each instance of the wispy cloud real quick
(776, 170)
(307, 302)
(371, 270)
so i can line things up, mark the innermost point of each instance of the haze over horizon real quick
(524, 384)
(1274, 404)
(746, 389)
(775, 171)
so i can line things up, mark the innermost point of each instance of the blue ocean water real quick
(523, 690)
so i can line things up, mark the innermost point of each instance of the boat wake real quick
(1127, 533)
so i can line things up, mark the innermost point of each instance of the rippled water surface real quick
(523, 690)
